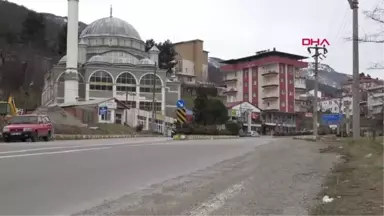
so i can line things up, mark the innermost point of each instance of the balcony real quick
(270, 84)
(300, 84)
(273, 95)
(300, 108)
(229, 80)
(269, 73)
(300, 98)
(230, 91)
(271, 106)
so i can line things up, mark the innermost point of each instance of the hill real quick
(29, 45)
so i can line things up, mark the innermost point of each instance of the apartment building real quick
(270, 80)
(192, 61)
(366, 82)
(375, 102)
(336, 105)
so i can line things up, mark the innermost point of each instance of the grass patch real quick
(356, 183)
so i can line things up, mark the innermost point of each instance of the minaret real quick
(154, 54)
(71, 83)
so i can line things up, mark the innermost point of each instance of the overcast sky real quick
(237, 28)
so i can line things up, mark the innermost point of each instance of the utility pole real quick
(154, 99)
(356, 78)
(319, 54)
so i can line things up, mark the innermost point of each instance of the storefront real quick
(245, 113)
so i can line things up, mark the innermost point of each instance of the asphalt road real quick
(67, 177)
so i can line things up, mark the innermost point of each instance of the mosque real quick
(109, 60)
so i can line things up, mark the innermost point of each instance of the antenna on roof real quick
(110, 11)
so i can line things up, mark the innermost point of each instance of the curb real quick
(306, 138)
(202, 137)
(83, 137)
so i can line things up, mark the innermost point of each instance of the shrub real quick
(139, 128)
(233, 127)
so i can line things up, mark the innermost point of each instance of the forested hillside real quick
(30, 43)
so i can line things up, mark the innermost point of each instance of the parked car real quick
(32, 127)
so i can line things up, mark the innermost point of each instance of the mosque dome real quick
(110, 26)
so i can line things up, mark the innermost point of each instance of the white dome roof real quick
(110, 26)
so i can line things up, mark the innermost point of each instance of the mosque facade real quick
(112, 63)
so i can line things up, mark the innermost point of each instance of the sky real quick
(238, 28)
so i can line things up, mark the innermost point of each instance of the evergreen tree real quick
(199, 109)
(62, 40)
(33, 30)
(167, 53)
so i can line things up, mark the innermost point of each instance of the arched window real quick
(101, 81)
(126, 83)
(146, 83)
(61, 78)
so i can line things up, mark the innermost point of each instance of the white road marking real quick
(48, 153)
(102, 146)
(38, 149)
(217, 202)
(75, 146)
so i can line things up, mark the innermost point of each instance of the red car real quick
(24, 127)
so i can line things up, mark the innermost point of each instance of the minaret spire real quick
(110, 11)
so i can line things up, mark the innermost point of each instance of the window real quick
(186, 70)
(254, 82)
(144, 105)
(254, 94)
(189, 79)
(283, 104)
(126, 83)
(281, 80)
(106, 116)
(101, 81)
(235, 74)
(290, 81)
(282, 92)
(290, 93)
(131, 104)
(146, 83)
(245, 96)
(245, 84)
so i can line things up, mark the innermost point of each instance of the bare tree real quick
(376, 15)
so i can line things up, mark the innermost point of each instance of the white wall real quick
(188, 67)
(334, 104)
(205, 73)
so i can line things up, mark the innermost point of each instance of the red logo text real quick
(314, 42)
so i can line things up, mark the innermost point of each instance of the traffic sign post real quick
(103, 110)
(181, 115)
(180, 104)
(331, 119)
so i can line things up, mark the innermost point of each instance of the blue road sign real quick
(103, 110)
(331, 119)
(180, 104)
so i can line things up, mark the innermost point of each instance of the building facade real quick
(269, 80)
(112, 62)
(192, 61)
(375, 102)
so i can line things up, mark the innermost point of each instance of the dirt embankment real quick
(355, 184)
